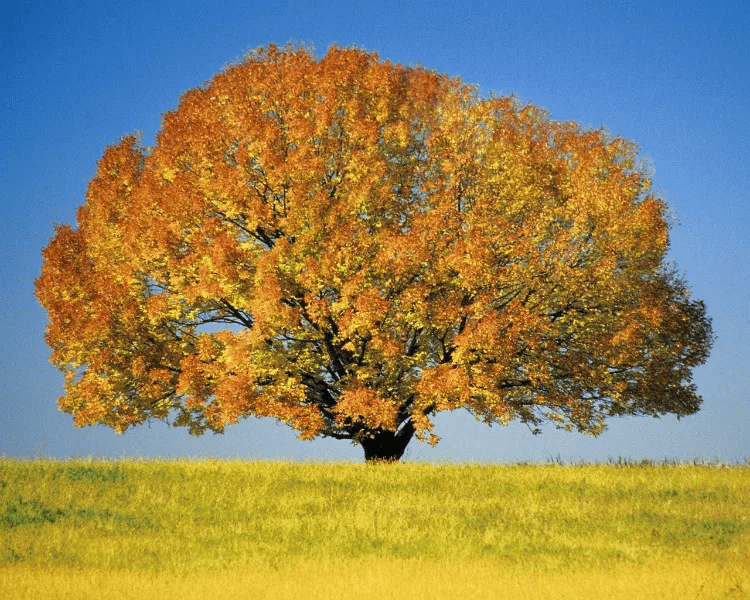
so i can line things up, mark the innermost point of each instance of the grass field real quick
(204, 529)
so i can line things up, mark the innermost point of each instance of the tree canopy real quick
(351, 246)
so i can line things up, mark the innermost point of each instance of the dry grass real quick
(382, 579)
(276, 530)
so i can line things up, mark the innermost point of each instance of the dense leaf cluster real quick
(351, 246)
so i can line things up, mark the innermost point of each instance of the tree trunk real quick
(387, 446)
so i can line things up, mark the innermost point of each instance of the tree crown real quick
(350, 246)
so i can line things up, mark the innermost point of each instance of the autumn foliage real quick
(351, 246)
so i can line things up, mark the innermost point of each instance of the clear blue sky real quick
(674, 76)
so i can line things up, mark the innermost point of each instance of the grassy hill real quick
(183, 529)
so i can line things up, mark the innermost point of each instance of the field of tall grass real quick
(233, 529)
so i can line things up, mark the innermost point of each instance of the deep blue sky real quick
(674, 76)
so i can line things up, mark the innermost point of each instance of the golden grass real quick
(382, 579)
(159, 529)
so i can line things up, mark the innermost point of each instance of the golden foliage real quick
(350, 246)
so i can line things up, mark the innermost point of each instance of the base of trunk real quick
(382, 446)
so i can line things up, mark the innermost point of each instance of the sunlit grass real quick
(382, 579)
(286, 528)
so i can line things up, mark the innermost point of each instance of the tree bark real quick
(387, 446)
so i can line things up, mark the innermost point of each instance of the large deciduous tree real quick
(351, 246)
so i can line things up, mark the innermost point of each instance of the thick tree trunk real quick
(387, 446)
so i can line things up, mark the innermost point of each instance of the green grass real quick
(161, 520)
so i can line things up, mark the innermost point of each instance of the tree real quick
(351, 246)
